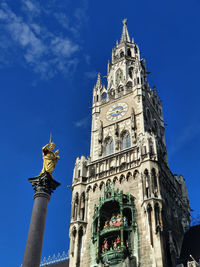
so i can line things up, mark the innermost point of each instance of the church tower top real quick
(125, 35)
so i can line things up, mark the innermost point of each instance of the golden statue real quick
(50, 158)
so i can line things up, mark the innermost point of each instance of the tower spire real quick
(125, 35)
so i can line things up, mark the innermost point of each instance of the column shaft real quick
(33, 248)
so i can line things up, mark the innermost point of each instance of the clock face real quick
(116, 111)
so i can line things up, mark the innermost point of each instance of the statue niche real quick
(115, 234)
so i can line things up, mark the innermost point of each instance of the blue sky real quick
(50, 53)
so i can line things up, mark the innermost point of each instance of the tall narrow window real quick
(82, 207)
(75, 208)
(149, 212)
(121, 53)
(126, 140)
(151, 149)
(154, 182)
(129, 85)
(147, 184)
(157, 217)
(130, 72)
(80, 237)
(109, 148)
(73, 241)
(136, 50)
(129, 52)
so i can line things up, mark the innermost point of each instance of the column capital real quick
(44, 183)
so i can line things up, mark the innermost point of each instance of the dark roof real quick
(59, 264)
(191, 245)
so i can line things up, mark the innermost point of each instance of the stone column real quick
(43, 186)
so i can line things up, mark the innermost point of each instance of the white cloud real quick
(63, 47)
(63, 20)
(33, 8)
(36, 28)
(43, 50)
(91, 74)
(82, 123)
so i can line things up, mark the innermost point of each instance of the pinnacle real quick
(125, 35)
(98, 83)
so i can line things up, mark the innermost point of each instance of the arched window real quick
(73, 235)
(146, 184)
(129, 52)
(101, 185)
(129, 85)
(104, 96)
(80, 238)
(157, 217)
(94, 187)
(111, 93)
(149, 213)
(121, 53)
(121, 179)
(115, 180)
(120, 89)
(154, 181)
(82, 207)
(75, 206)
(109, 148)
(126, 140)
(130, 72)
(136, 50)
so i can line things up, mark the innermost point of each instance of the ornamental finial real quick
(124, 21)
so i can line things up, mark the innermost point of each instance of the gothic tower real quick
(128, 208)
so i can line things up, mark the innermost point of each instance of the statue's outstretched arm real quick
(45, 147)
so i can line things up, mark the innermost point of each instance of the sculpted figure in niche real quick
(116, 220)
(115, 244)
(106, 245)
(118, 241)
(50, 158)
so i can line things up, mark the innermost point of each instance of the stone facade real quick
(127, 176)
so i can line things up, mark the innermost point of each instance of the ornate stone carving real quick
(44, 183)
